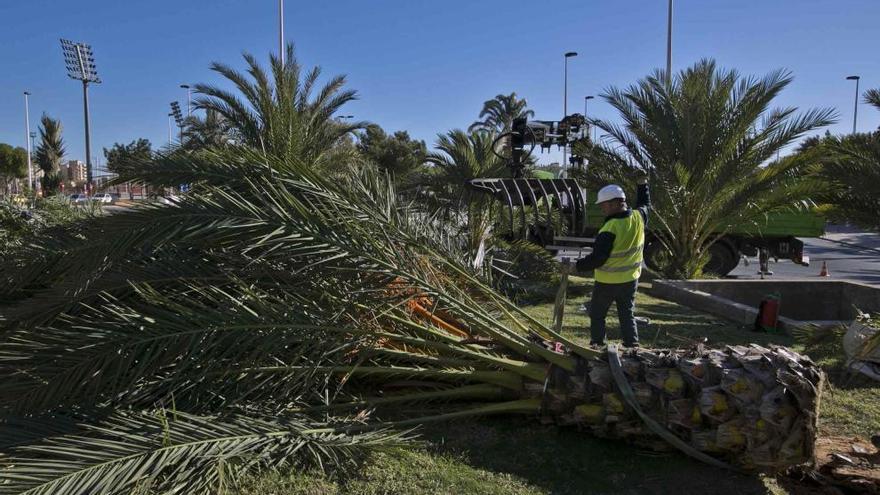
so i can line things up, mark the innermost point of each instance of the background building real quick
(76, 171)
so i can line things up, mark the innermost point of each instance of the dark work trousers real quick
(625, 297)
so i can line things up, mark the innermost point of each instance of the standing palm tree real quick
(851, 171)
(279, 112)
(212, 131)
(872, 97)
(499, 113)
(50, 153)
(707, 140)
(460, 157)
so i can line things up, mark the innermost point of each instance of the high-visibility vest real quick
(625, 262)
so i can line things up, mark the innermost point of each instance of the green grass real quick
(517, 455)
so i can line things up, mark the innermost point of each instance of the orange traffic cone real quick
(824, 271)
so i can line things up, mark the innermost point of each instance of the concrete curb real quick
(680, 292)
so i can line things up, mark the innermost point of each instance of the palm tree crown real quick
(50, 153)
(281, 112)
(499, 113)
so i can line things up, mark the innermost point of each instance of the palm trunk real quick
(752, 407)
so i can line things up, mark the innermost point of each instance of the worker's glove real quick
(580, 266)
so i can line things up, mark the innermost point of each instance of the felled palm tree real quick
(50, 153)
(708, 140)
(282, 112)
(276, 317)
(499, 113)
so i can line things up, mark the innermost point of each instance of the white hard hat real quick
(610, 192)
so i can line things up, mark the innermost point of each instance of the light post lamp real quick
(170, 136)
(587, 122)
(568, 55)
(80, 63)
(188, 99)
(856, 105)
(669, 45)
(27, 125)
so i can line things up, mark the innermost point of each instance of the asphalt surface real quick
(849, 254)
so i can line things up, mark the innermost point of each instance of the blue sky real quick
(424, 67)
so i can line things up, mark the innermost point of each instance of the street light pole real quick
(856, 105)
(586, 121)
(27, 124)
(669, 45)
(281, 30)
(170, 136)
(568, 55)
(188, 99)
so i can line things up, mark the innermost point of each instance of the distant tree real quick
(499, 113)
(50, 154)
(459, 157)
(398, 154)
(123, 156)
(13, 164)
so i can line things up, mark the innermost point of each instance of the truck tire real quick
(723, 258)
(656, 256)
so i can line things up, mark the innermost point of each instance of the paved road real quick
(849, 253)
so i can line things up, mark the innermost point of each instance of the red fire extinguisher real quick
(768, 314)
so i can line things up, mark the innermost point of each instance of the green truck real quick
(777, 237)
(555, 213)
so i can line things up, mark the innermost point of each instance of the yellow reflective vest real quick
(625, 262)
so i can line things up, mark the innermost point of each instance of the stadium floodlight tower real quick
(178, 118)
(80, 63)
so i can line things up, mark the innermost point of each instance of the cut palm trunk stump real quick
(752, 407)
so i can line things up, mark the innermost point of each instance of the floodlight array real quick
(80, 61)
(178, 115)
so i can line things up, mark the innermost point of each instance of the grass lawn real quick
(516, 455)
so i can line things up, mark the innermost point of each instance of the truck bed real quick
(781, 224)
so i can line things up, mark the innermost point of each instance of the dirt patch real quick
(844, 465)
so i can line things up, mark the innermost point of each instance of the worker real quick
(617, 261)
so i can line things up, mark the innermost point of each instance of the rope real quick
(630, 397)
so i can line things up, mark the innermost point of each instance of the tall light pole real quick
(856, 105)
(27, 125)
(170, 135)
(178, 118)
(587, 122)
(669, 45)
(188, 89)
(281, 30)
(81, 66)
(568, 55)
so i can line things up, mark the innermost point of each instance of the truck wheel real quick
(723, 258)
(656, 256)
